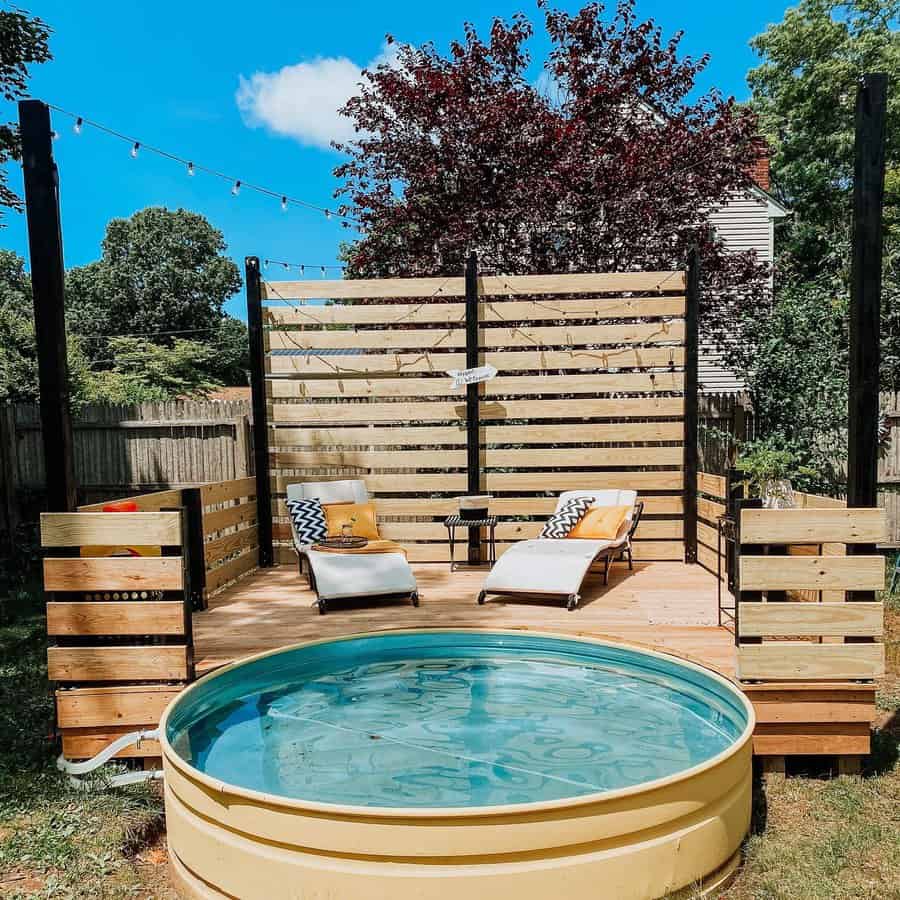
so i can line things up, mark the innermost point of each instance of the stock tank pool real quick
(439, 764)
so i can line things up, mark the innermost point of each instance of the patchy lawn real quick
(814, 837)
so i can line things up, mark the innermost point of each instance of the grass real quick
(815, 837)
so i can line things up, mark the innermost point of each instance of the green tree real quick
(804, 93)
(23, 42)
(145, 371)
(18, 356)
(162, 275)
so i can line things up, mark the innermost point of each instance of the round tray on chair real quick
(340, 544)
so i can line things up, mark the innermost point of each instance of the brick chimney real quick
(758, 170)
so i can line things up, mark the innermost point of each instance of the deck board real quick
(667, 605)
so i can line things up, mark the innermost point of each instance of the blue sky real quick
(169, 73)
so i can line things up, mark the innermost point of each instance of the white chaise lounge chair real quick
(341, 576)
(556, 567)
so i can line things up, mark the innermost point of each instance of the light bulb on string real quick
(79, 122)
(265, 264)
(287, 267)
(302, 270)
(134, 149)
(54, 135)
(190, 169)
(327, 213)
(323, 271)
(284, 204)
(236, 189)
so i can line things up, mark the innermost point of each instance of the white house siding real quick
(744, 222)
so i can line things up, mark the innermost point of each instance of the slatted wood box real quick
(120, 625)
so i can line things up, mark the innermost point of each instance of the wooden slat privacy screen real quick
(121, 624)
(590, 394)
(780, 640)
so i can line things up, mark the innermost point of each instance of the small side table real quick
(456, 521)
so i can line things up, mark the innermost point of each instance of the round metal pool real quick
(439, 763)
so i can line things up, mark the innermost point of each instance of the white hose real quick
(74, 769)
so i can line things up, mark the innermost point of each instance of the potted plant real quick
(770, 472)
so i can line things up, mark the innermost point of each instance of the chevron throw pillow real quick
(566, 517)
(309, 520)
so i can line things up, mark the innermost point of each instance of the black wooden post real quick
(258, 402)
(473, 450)
(865, 292)
(865, 302)
(193, 506)
(48, 288)
(691, 400)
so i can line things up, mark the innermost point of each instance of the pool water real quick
(440, 719)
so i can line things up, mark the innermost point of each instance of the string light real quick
(302, 267)
(79, 122)
(236, 189)
(286, 200)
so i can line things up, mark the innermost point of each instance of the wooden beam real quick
(810, 619)
(780, 660)
(473, 446)
(691, 401)
(128, 617)
(88, 529)
(820, 573)
(813, 526)
(113, 573)
(137, 704)
(258, 400)
(48, 289)
(163, 663)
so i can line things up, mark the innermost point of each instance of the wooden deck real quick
(667, 605)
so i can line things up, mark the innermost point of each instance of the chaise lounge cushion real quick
(340, 575)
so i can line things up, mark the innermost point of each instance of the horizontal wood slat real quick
(806, 661)
(231, 516)
(714, 485)
(86, 529)
(364, 288)
(509, 361)
(782, 573)
(153, 502)
(811, 619)
(418, 435)
(709, 510)
(507, 506)
(229, 544)
(393, 338)
(83, 743)
(456, 459)
(499, 285)
(489, 410)
(123, 705)
(156, 663)
(162, 573)
(818, 526)
(494, 310)
(663, 332)
(804, 739)
(231, 570)
(223, 491)
(317, 388)
(129, 617)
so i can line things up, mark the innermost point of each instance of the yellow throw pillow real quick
(600, 523)
(360, 515)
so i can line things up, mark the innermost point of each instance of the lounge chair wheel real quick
(414, 596)
(481, 598)
(573, 602)
(323, 607)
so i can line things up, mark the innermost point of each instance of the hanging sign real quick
(462, 377)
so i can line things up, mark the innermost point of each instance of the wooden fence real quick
(125, 450)
(590, 393)
(808, 666)
(120, 625)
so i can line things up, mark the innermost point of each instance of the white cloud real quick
(302, 101)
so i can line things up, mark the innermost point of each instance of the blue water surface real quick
(453, 720)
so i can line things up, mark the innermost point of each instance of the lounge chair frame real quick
(621, 551)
